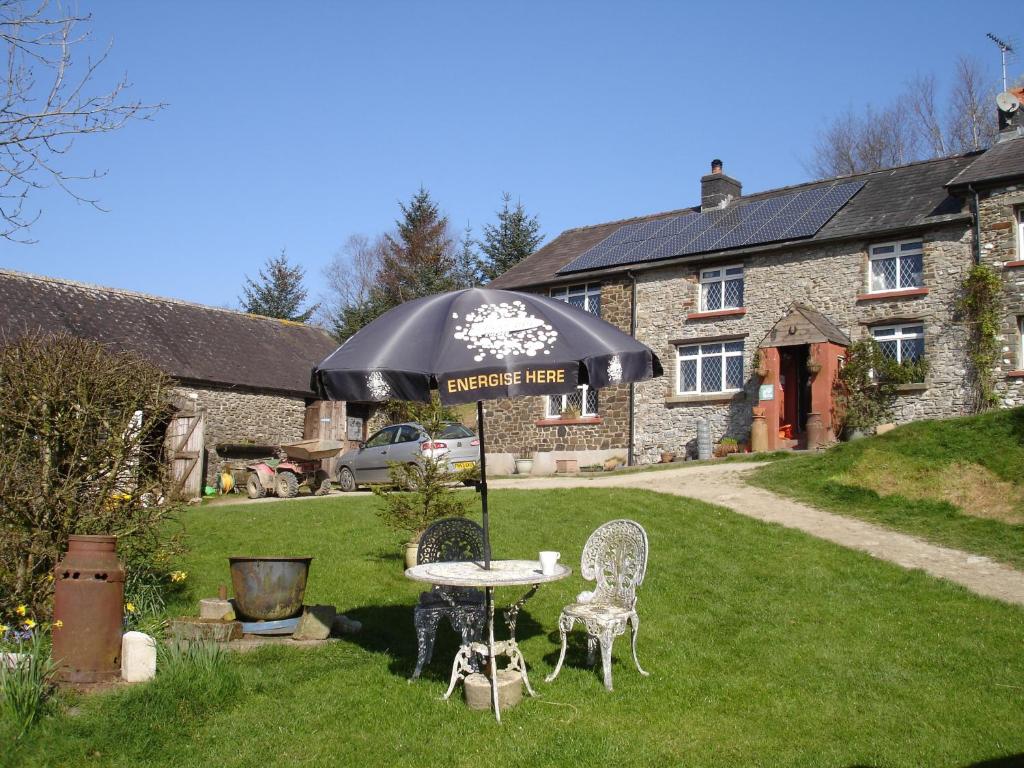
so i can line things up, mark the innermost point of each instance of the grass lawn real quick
(766, 648)
(956, 482)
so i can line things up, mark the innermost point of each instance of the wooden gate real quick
(326, 420)
(185, 440)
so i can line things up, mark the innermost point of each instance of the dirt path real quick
(723, 484)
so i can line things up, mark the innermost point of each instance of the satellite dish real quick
(1007, 102)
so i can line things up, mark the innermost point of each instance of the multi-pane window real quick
(896, 266)
(721, 288)
(902, 343)
(586, 297)
(583, 401)
(716, 367)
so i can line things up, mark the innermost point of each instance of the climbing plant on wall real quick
(982, 309)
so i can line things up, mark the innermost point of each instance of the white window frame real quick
(1020, 232)
(589, 292)
(1020, 342)
(706, 278)
(896, 254)
(899, 334)
(683, 353)
(551, 400)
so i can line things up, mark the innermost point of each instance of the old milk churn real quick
(88, 602)
(815, 432)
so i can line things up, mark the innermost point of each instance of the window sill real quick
(1015, 374)
(906, 293)
(919, 386)
(1014, 263)
(704, 397)
(557, 422)
(737, 312)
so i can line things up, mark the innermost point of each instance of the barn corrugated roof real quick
(189, 341)
(891, 199)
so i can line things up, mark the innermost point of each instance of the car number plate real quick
(465, 464)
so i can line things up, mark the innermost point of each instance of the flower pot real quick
(411, 548)
(852, 433)
(524, 466)
(269, 588)
(667, 457)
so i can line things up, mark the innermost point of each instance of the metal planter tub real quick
(269, 588)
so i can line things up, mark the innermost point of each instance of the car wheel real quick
(287, 485)
(414, 479)
(254, 488)
(346, 480)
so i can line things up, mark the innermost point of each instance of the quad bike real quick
(301, 467)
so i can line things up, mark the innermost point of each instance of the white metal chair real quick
(615, 556)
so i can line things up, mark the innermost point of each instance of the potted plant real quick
(813, 365)
(524, 462)
(726, 446)
(667, 457)
(760, 364)
(420, 493)
(572, 412)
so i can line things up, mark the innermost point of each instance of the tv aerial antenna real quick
(1004, 48)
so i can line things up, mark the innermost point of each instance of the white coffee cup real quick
(548, 561)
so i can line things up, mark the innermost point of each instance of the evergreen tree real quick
(278, 292)
(467, 262)
(515, 236)
(418, 258)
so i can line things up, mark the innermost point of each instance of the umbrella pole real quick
(482, 487)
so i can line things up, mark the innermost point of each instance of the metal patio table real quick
(502, 573)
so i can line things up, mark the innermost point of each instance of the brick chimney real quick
(717, 189)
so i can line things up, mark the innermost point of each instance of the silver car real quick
(455, 445)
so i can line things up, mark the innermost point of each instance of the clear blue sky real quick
(294, 125)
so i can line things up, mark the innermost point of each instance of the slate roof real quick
(1003, 161)
(189, 341)
(829, 331)
(893, 199)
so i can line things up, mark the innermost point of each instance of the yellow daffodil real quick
(3, 629)
(178, 576)
(21, 610)
(130, 607)
(58, 624)
(29, 624)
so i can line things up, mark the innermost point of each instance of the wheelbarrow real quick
(301, 467)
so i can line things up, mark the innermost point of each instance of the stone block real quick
(204, 630)
(138, 657)
(478, 689)
(213, 608)
(343, 625)
(501, 464)
(881, 429)
(316, 622)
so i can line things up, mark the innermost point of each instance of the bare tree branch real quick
(46, 102)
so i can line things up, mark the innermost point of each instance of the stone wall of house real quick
(520, 426)
(827, 278)
(235, 415)
(1001, 248)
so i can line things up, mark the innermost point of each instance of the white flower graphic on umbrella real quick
(505, 330)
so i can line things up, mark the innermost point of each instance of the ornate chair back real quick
(615, 556)
(451, 540)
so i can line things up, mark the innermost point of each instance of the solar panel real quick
(783, 217)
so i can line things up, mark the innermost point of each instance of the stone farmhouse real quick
(751, 300)
(243, 380)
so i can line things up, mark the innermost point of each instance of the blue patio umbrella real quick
(481, 344)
